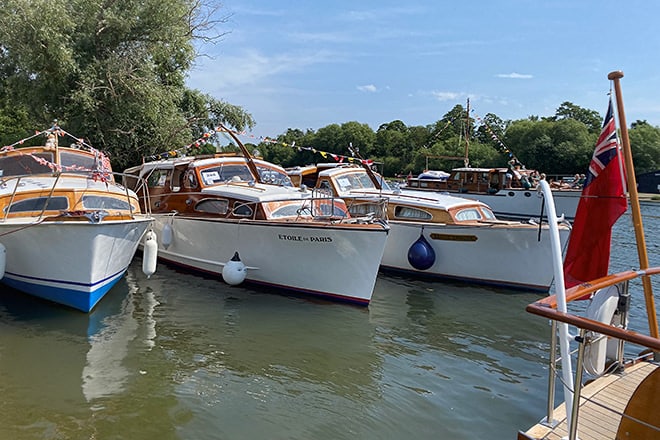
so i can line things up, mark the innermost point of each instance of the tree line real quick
(561, 144)
(115, 73)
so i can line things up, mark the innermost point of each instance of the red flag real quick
(602, 202)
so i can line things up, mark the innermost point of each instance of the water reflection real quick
(105, 372)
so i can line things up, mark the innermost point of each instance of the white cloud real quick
(446, 96)
(515, 75)
(368, 88)
(251, 67)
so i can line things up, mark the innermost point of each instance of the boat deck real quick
(603, 403)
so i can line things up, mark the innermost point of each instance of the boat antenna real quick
(356, 152)
(248, 157)
(615, 76)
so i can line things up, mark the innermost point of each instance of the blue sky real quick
(308, 64)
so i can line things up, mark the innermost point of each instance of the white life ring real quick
(602, 308)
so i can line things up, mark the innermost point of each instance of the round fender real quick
(421, 255)
(234, 271)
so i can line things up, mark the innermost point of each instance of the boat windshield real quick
(76, 162)
(224, 173)
(303, 208)
(274, 176)
(21, 164)
(354, 181)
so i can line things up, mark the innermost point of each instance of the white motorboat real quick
(68, 231)
(241, 218)
(442, 236)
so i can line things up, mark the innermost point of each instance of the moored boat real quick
(438, 235)
(509, 192)
(68, 229)
(241, 218)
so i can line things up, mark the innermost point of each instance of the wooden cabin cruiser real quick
(68, 231)
(509, 192)
(438, 235)
(242, 218)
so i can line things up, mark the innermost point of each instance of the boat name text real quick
(301, 238)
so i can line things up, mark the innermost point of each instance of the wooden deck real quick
(602, 404)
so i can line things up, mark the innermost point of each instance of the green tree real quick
(645, 146)
(112, 71)
(590, 118)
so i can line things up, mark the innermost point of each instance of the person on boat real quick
(508, 177)
(525, 182)
(576, 181)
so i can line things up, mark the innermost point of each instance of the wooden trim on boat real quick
(547, 307)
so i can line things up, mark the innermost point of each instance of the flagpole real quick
(615, 76)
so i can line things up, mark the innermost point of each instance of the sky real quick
(308, 64)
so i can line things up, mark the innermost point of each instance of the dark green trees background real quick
(114, 71)
(561, 144)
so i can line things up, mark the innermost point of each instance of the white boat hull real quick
(523, 204)
(330, 261)
(69, 262)
(476, 254)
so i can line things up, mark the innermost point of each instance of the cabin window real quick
(468, 214)
(328, 209)
(291, 210)
(104, 202)
(76, 162)
(362, 209)
(411, 213)
(157, 178)
(25, 164)
(488, 214)
(38, 204)
(213, 206)
(348, 182)
(224, 173)
(242, 210)
(190, 180)
(274, 177)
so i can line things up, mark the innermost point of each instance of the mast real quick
(631, 181)
(466, 159)
(246, 154)
(366, 166)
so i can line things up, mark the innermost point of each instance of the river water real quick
(179, 356)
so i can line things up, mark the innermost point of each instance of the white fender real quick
(234, 271)
(602, 307)
(3, 260)
(149, 254)
(166, 235)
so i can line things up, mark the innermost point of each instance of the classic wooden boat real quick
(613, 391)
(509, 192)
(437, 235)
(68, 231)
(241, 218)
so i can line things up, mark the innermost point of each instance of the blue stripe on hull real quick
(77, 299)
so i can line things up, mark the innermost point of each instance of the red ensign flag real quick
(603, 201)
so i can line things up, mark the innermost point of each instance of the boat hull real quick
(476, 254)
(338, 262)
(69, 262)
(522, 204)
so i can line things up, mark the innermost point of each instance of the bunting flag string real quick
(512, 157)
(101, 159)
(262, 139)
